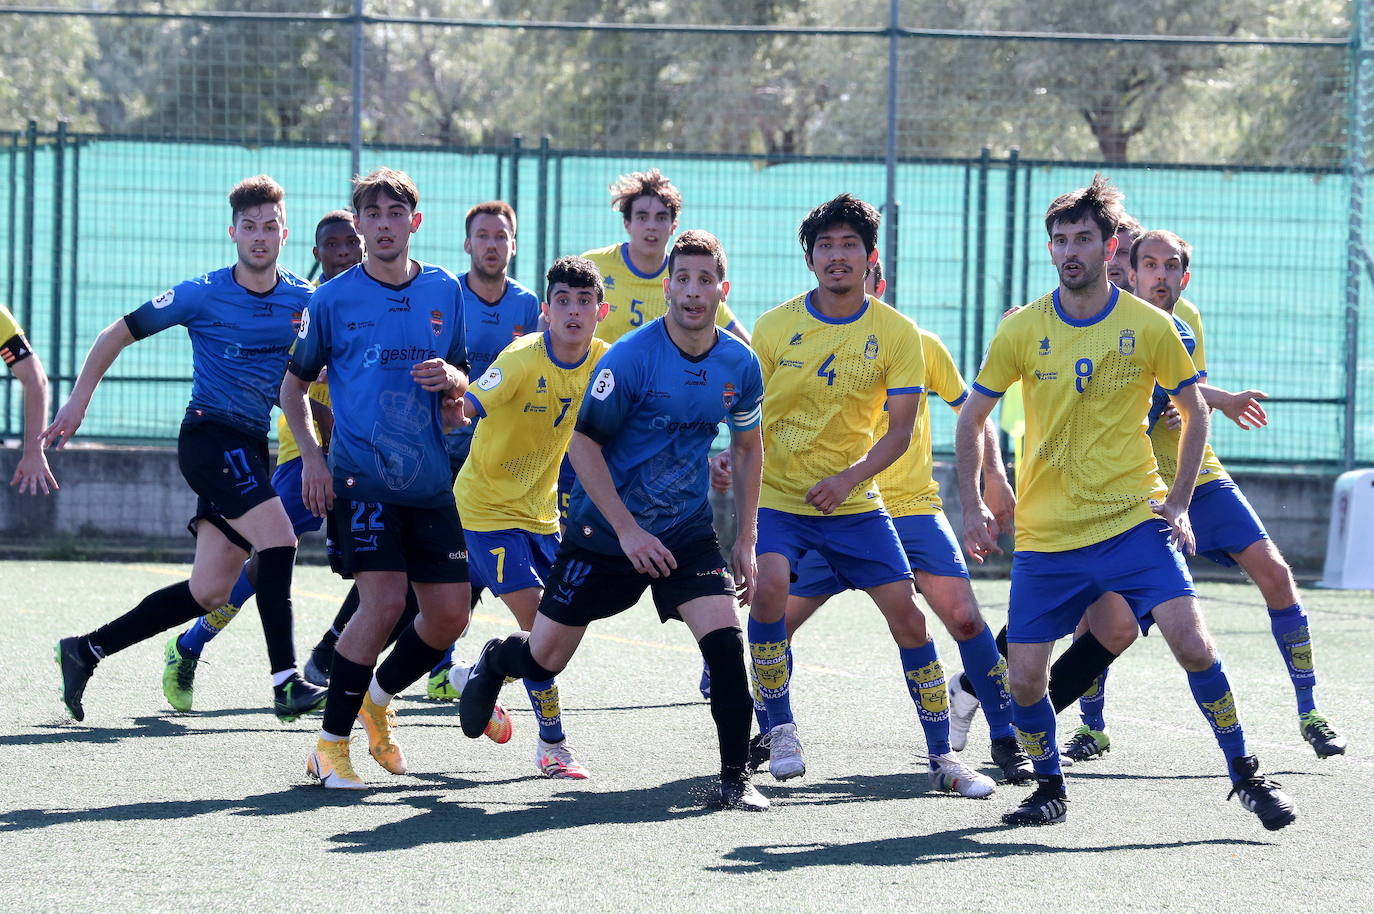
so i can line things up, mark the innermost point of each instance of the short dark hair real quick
(575, 273)
(255, 191)
(652, 183)
(876, 268)
(1185, 250)
(846, 209)
(695, 242)
(1099, 200)
(334, 217)
(1129, 225)
(490, 208)
(395, 184)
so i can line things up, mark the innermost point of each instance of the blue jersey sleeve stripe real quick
(1193, 380)
(894, 391)
(1202, 375)
(476, 404)
(959, 401)
(995, 394)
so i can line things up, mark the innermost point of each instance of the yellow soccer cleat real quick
(380, 722)
(329, 764)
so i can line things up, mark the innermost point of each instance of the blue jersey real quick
(388, 444)
(239, 342)
(490, 327)
(655, 410)
(1159, 401)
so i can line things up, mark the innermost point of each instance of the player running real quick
(32, 475)
(1093, 515)
(832, 359)
(241, 320)
(639, 516)
(390, 333)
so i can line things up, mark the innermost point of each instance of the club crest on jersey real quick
(871, 348)
(728, 395)
(436, 322)
(517, 331)
(1126, 345)
(298, 320)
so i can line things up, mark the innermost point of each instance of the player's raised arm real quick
(642, 548)
(1241, 407)
(106, 348)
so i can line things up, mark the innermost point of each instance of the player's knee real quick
(210, 597)
(1027, 684)
(909, 629)
(1195, 652)
(1116, 638)
(964, 621)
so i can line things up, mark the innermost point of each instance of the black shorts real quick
(229, 471)
(424, 543)
(585, 586)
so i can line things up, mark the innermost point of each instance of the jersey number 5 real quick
(637, 316)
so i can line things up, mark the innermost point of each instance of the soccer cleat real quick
(329, 764)
(705, 684)
(477, 703)
(1048, 805)
(738, 793)
(500, 728)
(178, 676)
(784, 753)
(759, 751)
(962, 707)
(320, 663)
(1086, 743)
(439, 688)
(76, 672)
(1015, 764)
(950, 774)
(555, 760)
(380, 723)
(1325, 741)
(1260, 794)
(295, 697)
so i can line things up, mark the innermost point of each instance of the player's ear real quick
(666, 278)
(544, 310)
(231, 234)
(415, 221)
(315, 252)
(1112, 244)
(602, 310)
(1187, 275)
(284, 232)
(724, 289)
(879, 288)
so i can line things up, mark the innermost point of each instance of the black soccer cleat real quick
(739, 793)
(295, 697)
(1261, 795)
(759, 751)
(479, 696)
(1048, 805)
(1320, 735)
(1015, 764)
(321, 662)
(76, 672)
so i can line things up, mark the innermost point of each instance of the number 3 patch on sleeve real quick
(490, 379)
(603, 385)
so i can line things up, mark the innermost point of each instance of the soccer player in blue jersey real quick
(241, 320)
(338, 246)
(32, 475)
(390, 333)
(639, 516)
(1093, 515)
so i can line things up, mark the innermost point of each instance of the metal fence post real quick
(890, 235)
(542, 207)
(26, 288)
(1009, 245)
(58, 205)
(980, 261)
(1356, 255)
(514, 201)
(355, 141)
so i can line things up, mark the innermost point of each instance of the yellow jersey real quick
(826, 382)
(1089, 471)
(528, 402)
(1191, 316)
(1164, 439)
(634, 298)
(287, 449)
(908, 486)
(14, 347)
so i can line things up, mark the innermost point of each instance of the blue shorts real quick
(286, 482)
(1224, 524)
(927, 539)
(1051, 590)
(865, 545)
(504, 561)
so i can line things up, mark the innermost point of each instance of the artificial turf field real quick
(140, 807)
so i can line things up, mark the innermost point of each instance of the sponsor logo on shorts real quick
(458, 556)
(365, 543)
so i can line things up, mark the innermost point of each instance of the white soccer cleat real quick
(962, 708)
(785, 759)
(951, 774)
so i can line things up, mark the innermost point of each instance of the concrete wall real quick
(133, 493)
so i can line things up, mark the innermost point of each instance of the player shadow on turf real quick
(163, 725)
(426, 707)
(859, 788)
(941, 847)
(1075, 775)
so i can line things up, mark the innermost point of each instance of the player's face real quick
(573, 313)
(1119, 267)
(839, 259)
(650, 224)
(1079, 252)
(338, 246)
(694, 291)
(387, 224)
(258, 233)
(491, 244)
(1160, 277)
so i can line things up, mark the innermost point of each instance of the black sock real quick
(1077, 669)
(512, 658)
(732, 707)
(410, 659)
(477, 591)
(966, 684)
(275, 566)
(348, 682)
(407, 617)
(157, 612)
(1002, 641)
(346, 611)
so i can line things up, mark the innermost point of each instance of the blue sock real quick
(1295, 644)
(925, 679)
(760, 712)
(547, 708)
(1093, 702)
(204, 629)
(1035, 732)
(1212, 691)
(987, 670)
(769, 651)
(447, 662)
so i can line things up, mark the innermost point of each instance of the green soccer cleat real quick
(439, 688)
(295, 697)
(178, 676)
(1319, 734)
(1086, 743)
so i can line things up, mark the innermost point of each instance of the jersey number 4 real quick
(825, 371)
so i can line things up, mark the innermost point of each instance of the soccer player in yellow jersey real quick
(633, 271)
(32, 475)
(831, 358)
(1093, 516)
(507, 490)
